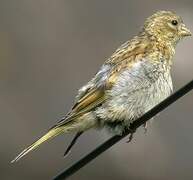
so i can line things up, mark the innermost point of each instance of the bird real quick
(134, 79)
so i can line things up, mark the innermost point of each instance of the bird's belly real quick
(153, 95)
(130, 102)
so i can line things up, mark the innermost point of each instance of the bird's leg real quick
(72, 143)
(132, 131)
(145, 127)
(147, 123)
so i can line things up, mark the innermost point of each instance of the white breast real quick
(137, 91)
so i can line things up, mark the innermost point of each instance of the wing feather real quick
(90, 96)
(93, 94)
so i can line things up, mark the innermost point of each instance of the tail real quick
(78, 134)
(65, 126)
(49, 135)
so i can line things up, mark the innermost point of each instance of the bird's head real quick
(166, 26)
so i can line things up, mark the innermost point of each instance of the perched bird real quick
(132, 81)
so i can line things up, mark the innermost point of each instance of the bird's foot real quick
(132, 132)
(145, 127)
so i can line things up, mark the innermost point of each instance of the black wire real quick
(106, 145)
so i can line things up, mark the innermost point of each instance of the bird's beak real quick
(184, 31)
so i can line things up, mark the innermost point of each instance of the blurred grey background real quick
(48, 49)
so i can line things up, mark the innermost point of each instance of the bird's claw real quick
(131, 135)
(145, 127)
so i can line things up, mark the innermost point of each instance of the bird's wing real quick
(90, 100)
(94, 93)
(91, 95)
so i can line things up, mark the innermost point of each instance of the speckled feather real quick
(131, 82)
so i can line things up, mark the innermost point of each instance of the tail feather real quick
(72, 143)
(49, 135)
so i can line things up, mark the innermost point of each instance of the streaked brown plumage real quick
(131, 82)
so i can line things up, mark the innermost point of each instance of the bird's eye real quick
(174, 22)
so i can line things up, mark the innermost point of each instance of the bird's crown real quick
(166, 26)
